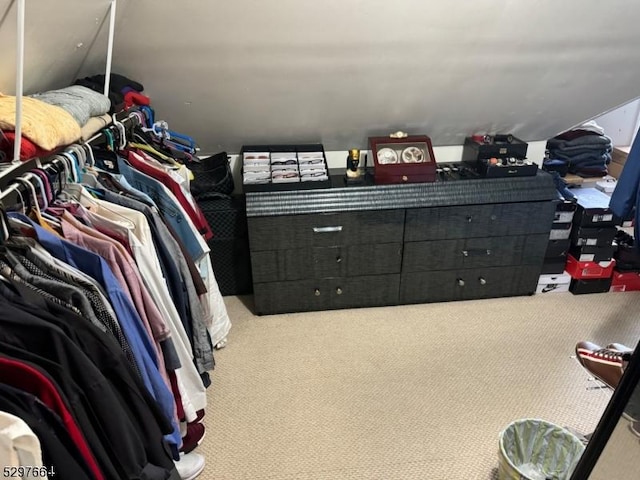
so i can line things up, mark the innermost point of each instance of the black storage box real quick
(557, 248)
(271, 186)
(230, 243)
(565, 212)
(593, 209)
(598, 285)
(588, 253)
(593, 237)
(486, 169)
(497, 147)
(560, 231)
(555, 265)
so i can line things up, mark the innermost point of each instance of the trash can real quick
(532, 449)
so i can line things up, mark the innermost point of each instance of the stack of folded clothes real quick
(123, 92)
(586, 150)
(51, 120)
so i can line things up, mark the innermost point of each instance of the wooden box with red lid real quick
(402, 158)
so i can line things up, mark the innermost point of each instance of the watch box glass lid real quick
(403, 158)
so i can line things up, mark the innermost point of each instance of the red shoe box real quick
(589, 270)
(625, 281)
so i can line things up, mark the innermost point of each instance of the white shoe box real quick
(554, 283)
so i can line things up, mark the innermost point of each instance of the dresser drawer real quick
(474, 253)
(324, 230)
(326, 294)
(479, 221)
(467, 284)
(325, 262)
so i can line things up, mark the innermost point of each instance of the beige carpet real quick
(407, 392)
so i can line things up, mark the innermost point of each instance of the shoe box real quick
(554, 283)
(593, 236)
(588, 253)
(593, 209)
(589, 270)
(583, 286)
(559, 239)
(625, 281)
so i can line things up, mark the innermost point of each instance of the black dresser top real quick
(341, 198)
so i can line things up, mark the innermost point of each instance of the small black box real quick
(486, 169)
(593, 209)
(560, 231)
(592, 236)
(557, 248)
(565, 212)
(598, 285)
(555, 265)
(588, 253)
(498, 146)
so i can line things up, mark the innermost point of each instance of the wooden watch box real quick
(407, 159)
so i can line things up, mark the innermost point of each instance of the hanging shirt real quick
(169, 208)
(24, 377)
(127, 420)
(196, 215)
(19, 446)
(130, 322)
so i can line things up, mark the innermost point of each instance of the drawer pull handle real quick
(316, 292)
(469, 218)
(339, 291)
(488, 252)
(338, 259)
(465, 253)
(337, 228)
(482, 281)
(460, 282)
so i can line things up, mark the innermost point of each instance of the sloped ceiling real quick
(336, 71)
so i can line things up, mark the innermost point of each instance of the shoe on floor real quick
(603, 363)
(619, 347)
(193, 438)
(190, 465)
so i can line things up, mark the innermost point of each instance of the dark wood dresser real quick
(373, 245)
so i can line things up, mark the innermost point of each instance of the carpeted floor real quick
(406, 392)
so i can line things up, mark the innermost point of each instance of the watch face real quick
(412, 155)
(387, 155)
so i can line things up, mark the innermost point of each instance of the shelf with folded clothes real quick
(56, 118)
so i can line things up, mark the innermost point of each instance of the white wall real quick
(622, 123)
(336, 71)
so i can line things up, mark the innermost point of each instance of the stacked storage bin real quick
(590, 261)
(553, 276)
(626, 274)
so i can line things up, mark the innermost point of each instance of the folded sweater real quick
(81, 102)
(47, 126)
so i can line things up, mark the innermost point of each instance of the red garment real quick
(135, 158)
(176, 395)
(30, 380)
(28, 149)
(132, 98)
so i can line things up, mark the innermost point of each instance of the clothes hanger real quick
(75, 167)
(122, 134)
(32, 176)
